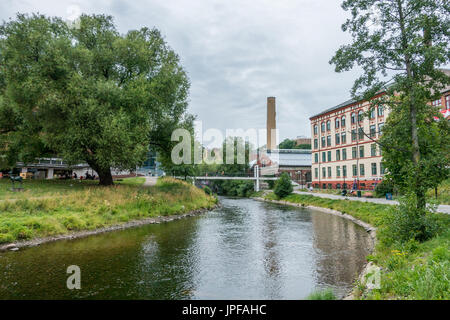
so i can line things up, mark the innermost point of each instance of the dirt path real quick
(150, 181)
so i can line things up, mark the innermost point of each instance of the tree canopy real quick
(87, 93)
(400, 45)
(292, 144)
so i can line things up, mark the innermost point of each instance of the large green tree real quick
(399, 45)
(87, 93)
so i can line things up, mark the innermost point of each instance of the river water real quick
(243, 250)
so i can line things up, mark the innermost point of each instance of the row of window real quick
(340, 121)
(438, 102)
(326, 171)
(341, 154)
(341, 138)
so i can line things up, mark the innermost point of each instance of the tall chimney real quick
(271, 124)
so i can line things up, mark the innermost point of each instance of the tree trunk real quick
(417, 189)
(105, 177)
(104, 174)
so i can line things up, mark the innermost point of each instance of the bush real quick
(271, 183)
(283, 186)
(235, 188)
(384, 187)
(207, 190)
(406, 222)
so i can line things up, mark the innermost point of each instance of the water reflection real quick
(243, 250)
(341, 247)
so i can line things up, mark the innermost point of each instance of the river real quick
(245, 249)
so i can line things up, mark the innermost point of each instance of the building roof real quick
(344, 104)
(351, 101)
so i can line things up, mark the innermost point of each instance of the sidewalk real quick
(150, 181)
(441, 208)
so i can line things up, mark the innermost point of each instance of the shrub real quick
(384, 187)
(406, 222)
(235, 188)
(283, 186)
(271, 183)
(207, 190)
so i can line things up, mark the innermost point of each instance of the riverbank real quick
(83, 208)
(407, 271)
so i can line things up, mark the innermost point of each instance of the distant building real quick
(49, 168)
(296, 162)
(302, 140)
(274, 161)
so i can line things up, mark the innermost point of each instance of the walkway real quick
(441, 208)
(150, 181)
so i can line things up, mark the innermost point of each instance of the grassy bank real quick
(409, 271)
(49, 208)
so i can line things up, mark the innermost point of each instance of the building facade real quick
(344, 149)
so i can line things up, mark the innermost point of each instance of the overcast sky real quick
(237, 53)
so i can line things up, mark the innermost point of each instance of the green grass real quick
(60, 207)
(322, 295)
(365, 211)
(132, 181)
(409, 271)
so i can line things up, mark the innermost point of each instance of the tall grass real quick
(322, 295)
(93, 207)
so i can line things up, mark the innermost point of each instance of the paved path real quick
(441, 208)
(150, 181)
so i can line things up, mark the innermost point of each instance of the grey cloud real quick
(239, 52)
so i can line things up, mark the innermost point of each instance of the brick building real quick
(344, 148)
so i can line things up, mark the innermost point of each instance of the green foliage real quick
(400, 45)
(443, 193)
(283, 186)
(292, 144)
(322, 295)
(303, 146)
(235, 188)
(271, 183)
(87, 94)
(407, 222)
(385, 186)
(236, 165)
(207, 190)
(434, 147)
(287, 144)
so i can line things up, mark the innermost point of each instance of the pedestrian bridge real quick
(256, 178)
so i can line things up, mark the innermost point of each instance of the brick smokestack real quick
(271, 123)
